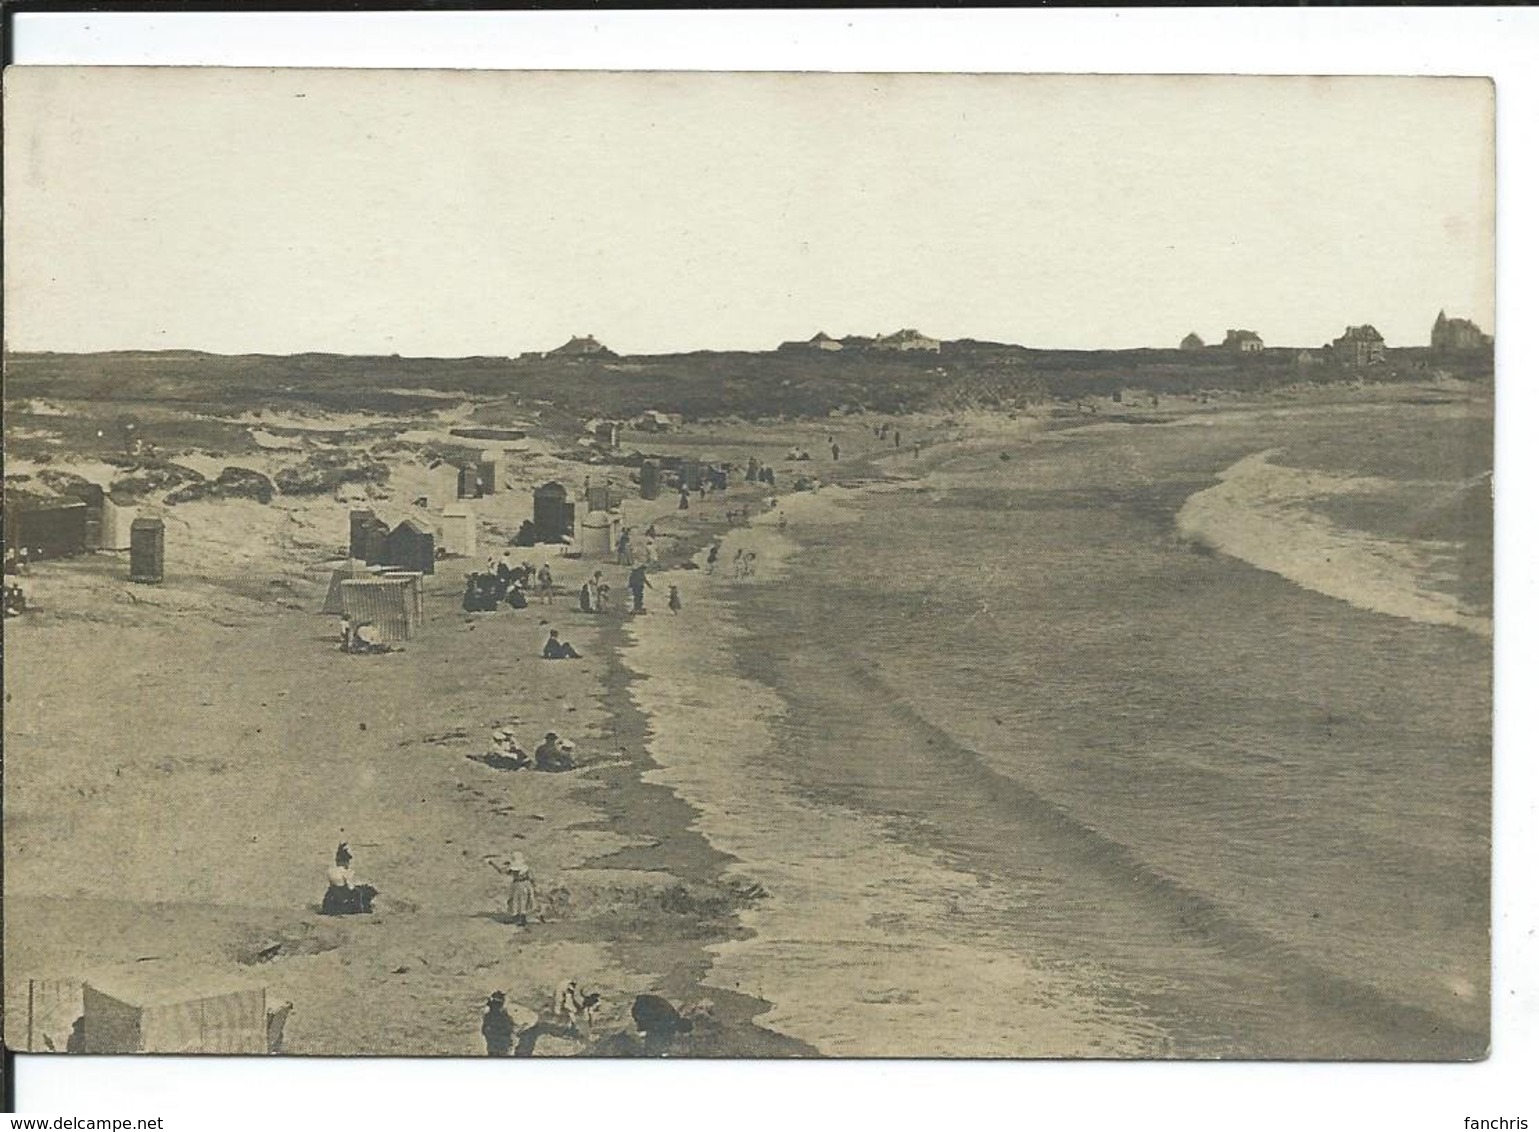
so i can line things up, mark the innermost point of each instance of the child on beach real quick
(521, 889)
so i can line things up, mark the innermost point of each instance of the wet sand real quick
(754, 830)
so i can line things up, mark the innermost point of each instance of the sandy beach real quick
(182, 760)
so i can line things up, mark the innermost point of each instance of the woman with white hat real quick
(521, 894)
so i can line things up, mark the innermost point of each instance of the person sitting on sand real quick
(365, 639)
(497, 1027)
(658, 1022)
(557, 649)
(506, 754)
(345, 894)
(555, 754)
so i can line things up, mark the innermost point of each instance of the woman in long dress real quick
(521, 890)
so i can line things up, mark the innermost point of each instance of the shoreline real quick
(654, 898)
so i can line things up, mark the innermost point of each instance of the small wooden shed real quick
(597, 535)
(457, 525)
(554, 517)
(147, 550)
(651, 479)
(410, 547)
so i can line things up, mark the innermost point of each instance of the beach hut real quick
(53, 1008)
(469, 484)
(46, 528)
(147, 550)
(376, 539)
(117, 522)
(601, 497)
(412, 580)
(490, 470)
(596, 535)
(410, 547)
(651, 479)
(93, 496)
(553, 515)
(689, 473)
(457, 526)
(385, 603)
(358, 521)
(166, 1012)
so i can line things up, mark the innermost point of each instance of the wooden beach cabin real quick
(410, 547)
(147, 551)
(117, 525)
(457, 525)
(651, 479)
(597, 535)
(46, 528)
(554, 517)
(358, 521)
(490, 470)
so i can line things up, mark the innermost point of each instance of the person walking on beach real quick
(520, 890)
(547, 584)
(651, 550)
(497, 1027)
(639, 583)
(737, 563)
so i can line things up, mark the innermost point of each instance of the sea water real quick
(1027, 771)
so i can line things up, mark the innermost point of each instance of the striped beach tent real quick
(333, 602)
(386, 603)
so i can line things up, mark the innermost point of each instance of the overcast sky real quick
(453, 213)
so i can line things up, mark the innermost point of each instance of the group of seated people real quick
(554, 754)
(15, 600)
(501, 583)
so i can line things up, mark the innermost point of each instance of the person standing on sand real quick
(521, 890)
(497, 1027)
(834, 448)
(710, 557)
(639, 583)
(623, 548)
(547, 584)
(675, 602)
(897, 438)
(683, 499)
